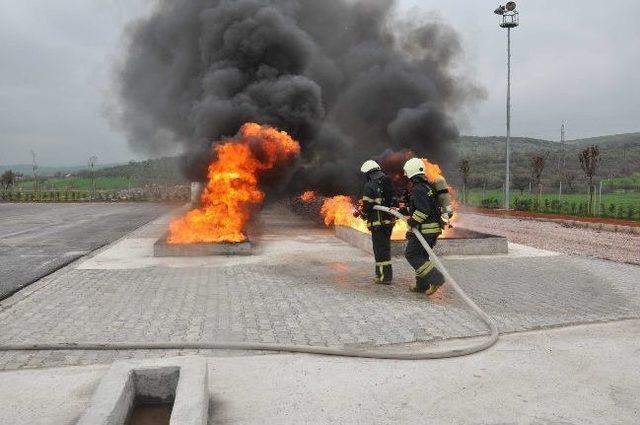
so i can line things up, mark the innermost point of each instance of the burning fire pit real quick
(218, 225)
(456, 241)
(338, 212)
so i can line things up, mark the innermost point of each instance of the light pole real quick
(510, 19)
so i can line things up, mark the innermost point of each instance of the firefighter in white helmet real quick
(378, 190)
(427, 216)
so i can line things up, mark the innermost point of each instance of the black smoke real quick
(343, 77)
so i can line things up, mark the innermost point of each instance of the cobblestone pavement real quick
(36, 239)
(622, 247)
(303, 286)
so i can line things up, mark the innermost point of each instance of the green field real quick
(616, 204)
(80, 183)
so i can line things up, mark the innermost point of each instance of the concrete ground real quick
(304, 286)
(36, 239)
(577, 375)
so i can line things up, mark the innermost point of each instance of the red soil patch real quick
(526, 214)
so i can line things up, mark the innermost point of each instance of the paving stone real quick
(304, 299)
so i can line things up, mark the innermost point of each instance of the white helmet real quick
(369, 166)
(413, 167)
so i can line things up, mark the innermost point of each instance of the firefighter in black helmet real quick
(425, 215)
(378, 190)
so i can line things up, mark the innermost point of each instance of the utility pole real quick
(510, 19)
(92, 164)
(34, 166)
(563, 149)
(563, 139)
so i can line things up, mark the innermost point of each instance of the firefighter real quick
(378, 190)
(428, 217)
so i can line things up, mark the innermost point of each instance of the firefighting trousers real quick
(381, 237)
(426, 272)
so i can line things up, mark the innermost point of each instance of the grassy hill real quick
(158, 171)
(620, 160)
(629, 139)
(163, 171)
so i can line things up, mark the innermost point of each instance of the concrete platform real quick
(164, 249)
(459, 241)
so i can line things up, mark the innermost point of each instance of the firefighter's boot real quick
(384, 273)
(428, 279)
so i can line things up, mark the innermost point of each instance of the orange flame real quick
(233, 188)
(338, 211)
(308, 196)
(432, 171)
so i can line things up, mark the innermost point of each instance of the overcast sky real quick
(573, 60)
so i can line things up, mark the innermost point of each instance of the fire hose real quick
(471, 348)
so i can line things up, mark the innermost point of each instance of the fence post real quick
(560, 198)
(600, 196)
(464, 194)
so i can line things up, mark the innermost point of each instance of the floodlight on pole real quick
(510, 19)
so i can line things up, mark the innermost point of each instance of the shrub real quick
(490, 202)
(522, 204)
(612, 210)
(630, 212)
(620, 211)
(536, 205)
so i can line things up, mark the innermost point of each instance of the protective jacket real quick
(378, 190)
(423, 207)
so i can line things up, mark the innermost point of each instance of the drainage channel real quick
(151, 392)
(154, 393)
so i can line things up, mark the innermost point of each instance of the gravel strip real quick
(619, 247)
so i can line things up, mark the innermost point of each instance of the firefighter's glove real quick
(446, 218)
(413, 223)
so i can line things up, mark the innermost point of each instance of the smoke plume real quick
(345, 78)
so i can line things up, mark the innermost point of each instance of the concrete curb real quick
(164, 249)
(181, 380)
